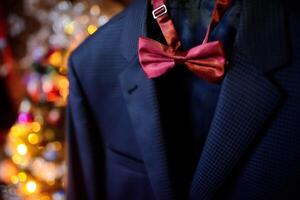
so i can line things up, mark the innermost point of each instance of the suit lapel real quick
(246, 102)
(248, 97)
(140, 96)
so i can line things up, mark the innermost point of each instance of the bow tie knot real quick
(180, 57)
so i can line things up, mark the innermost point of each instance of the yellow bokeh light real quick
(17, 159)
(22, 176)
(35, 126)
(31, 186)
(15, 131)
(91, 29)
(63, 83)
(18, 130)
(14, 179)
(22, 149)
(55, 59)
(69, 29)
(33, 138)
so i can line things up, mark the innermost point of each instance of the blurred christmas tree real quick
(34, 167)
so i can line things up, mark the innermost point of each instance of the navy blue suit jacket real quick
(116, 148)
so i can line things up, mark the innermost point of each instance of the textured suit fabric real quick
(117, 148)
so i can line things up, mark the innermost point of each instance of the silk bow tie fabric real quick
(206, 60)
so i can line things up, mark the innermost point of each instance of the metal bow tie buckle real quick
(161, 10)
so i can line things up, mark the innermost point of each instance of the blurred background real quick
(36, 38)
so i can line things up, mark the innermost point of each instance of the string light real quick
(18, 130)
(22, 149)
(35, 126)
(56, 58)
(31, 186)
(34, 146)
(14, 179)
(33, 138)
(69, 28)
(17, 159)
(91, 29)
(22, 176)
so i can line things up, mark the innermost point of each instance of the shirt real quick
(191, 19)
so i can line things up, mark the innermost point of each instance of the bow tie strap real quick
(160, 13)
(219, 10)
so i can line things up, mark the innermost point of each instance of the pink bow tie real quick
(206, 60)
